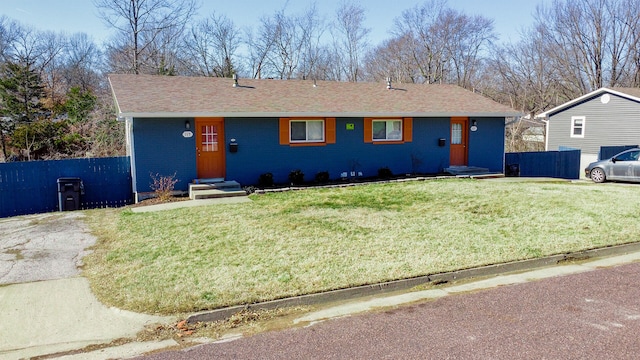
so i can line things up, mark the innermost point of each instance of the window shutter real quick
(330, 130)
(407, 129)
(368, 130)
(284, 131)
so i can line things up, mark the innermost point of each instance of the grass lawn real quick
(300, 242)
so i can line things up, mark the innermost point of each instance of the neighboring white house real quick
(604, 117)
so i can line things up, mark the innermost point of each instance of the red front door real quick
(210, 148)
(459, 137)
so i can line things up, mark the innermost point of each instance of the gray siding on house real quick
(614, 123)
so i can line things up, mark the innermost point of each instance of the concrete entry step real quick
(466, 170)
(219, 189)
(231, 185)
(211, 194)
(208, 180)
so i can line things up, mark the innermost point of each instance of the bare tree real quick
(27, 48)
(426, 49)
(393, 59)
(260, 46)
(442, 44)
(82, 63)
(523, 79)
(9, 32)
(626, 46)
(286, 46)
(163, 55)
(141, 23)
(313, 53)
(212, 47)
(593, 42)
(467, 37)
(350, 40)
(50, 66)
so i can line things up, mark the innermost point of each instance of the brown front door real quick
(210, 148)
(458, 151)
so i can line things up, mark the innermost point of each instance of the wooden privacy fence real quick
(555, 164)
(32, 187)
(609, 151)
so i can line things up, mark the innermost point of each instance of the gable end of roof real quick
(627, 93)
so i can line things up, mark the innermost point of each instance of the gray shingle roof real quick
(173, 96)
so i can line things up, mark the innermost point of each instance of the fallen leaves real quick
(184, 329)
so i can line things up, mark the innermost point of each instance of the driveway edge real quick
(405, 284)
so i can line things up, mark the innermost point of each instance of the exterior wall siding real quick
(260, 152)
(614, 123)
(161, 149)
(256, 155)
(486, 145)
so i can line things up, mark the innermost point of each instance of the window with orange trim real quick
(307, 132)
(388, 130)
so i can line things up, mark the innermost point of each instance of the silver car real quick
(622, 167)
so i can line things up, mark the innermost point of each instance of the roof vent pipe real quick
(388, 83)
(235, 80)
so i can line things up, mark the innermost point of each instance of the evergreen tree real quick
(21, 92)
(79, 105)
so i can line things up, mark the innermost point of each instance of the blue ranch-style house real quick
(221, 128)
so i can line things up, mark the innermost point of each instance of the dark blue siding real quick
(260, 152)
(161, 149)
(256, 156)
(486, 145)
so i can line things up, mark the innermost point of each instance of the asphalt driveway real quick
(42, 247)
(47, 307)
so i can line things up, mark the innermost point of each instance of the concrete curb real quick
(405, 284)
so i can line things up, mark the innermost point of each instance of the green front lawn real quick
(301, 242)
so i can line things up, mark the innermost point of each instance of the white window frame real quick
(574, 119)
(401, 135)
(306, 140)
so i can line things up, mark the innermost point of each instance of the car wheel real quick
(598, 176)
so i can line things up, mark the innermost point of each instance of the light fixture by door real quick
(474, 125)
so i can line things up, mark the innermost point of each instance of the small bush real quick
(385, 173)
(322, 177)
(265, 180)
(296, 177)
(163, 186)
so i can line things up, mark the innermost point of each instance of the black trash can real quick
(513, 170)
(69, 191)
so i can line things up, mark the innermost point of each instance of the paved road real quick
(592, 315)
